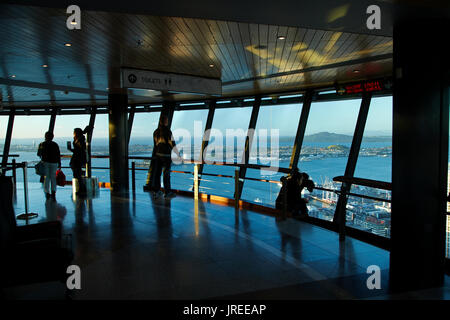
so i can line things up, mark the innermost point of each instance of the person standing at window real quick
(78, 160)
(49, 153)
(164, 144)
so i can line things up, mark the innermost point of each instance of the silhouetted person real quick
(49, 153)
(163, 143)
(294, 185)
(78, 160)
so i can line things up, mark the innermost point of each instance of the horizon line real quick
(149, 136)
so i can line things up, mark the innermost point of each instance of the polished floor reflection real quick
(138, 248)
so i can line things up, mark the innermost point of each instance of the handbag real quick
(39, 167)
(60, 178)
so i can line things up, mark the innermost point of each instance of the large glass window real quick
(375, 163)
(28, 132)
(141, 143)
(64, 125)
(375, 155)
(100, 147)
(187, 128)
(272, 146)
(326, 145)
(226, 144)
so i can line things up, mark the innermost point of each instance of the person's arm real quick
(173, 145)
(176, 152)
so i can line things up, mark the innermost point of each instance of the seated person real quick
(295, 183)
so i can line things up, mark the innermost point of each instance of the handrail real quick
(365, 182)
(360, 181)
(192, 161)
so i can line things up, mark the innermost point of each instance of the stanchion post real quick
(25, 188)
(343, 216)
(284, 187)
(196, 181)
(14, 176)
(26, 215)
(133, 176)
(236, 189)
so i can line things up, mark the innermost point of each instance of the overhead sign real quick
(160, 81)
(368, 86)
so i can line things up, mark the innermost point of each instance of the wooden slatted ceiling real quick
(238, 51)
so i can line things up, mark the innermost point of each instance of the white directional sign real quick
(152, 80)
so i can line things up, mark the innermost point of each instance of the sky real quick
(337, 117)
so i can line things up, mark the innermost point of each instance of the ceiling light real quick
(281, 37)
(44, 66)
(356, 71)
(68, 44)
(13, 76)
(211, 66)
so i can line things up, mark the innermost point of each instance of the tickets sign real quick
(161, 81)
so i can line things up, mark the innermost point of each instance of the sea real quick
(320, 169)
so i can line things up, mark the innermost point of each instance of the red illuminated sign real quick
(369, 86)
(364, 87)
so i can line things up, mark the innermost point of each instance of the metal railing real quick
(197, 178)
(357, 181)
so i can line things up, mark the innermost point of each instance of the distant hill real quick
(341, 138)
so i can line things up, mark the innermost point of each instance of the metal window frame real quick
(206, 135)
(340, 211)
(248, 145)
(8, 136)
(298, 143)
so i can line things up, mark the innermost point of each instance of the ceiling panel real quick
(253, 55)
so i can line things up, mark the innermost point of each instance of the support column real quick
(118, 141)
(419, 154)
(89, 142)
(51, 125)
(8, 138)
(130, 122)
(168, 110)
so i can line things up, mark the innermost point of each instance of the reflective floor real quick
(139, 248)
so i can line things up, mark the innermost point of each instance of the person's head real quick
(77, 133)
(163, 121)
(48, 136)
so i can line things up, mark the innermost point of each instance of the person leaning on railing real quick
(293, 185)
(50, 155)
